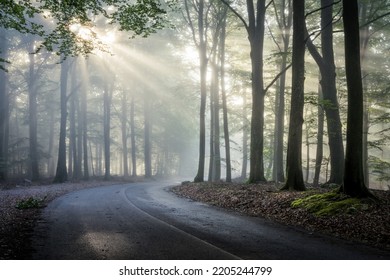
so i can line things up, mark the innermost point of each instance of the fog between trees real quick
(132, 106)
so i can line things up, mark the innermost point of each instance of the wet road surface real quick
(147, 221)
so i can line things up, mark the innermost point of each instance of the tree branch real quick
(236, 13)
(277, 77)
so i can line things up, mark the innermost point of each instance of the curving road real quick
(147, 221)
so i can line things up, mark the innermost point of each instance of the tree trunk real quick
(285, 24)
(33, 118)
(124, 135)
(256, 38)
(133, 144)
(61, 173)
(202, 48)
(84, 124)
(320, 139)
(4, 108)
(245, 124)
(107, 130)
(354, 184)
(328, 83)
(224, 103)
(147, 137)
(294, 149)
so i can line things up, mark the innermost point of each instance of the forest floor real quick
(369, 224)
(362, 221)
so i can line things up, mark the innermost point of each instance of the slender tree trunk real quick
(215, 156)
(307, 136)
(4, 108)
(364, 38)
(84, 124)
(72, 150)
(294, 149)
(285, 24)
(202, 48)
(61, 173)
(107, 131)
(245, 124)
(33, 118)
(51, 159)
(354, 184)
(212, 128)
(147, 136)
(133, 143)
(124, 135)
(224, 103)
(320, 139)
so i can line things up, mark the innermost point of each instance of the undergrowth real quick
(329, 203)
(30, 202)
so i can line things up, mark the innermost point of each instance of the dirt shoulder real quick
(369, 224)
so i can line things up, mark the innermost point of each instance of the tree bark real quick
(61, 172)
(294, 149)
(256, 38)
(354, 184)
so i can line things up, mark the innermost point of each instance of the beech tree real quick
(326, 63)
(294, 180)
(353, 183)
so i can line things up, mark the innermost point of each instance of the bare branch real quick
(277, 77)
(236, 13)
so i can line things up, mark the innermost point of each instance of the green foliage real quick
(52, 20)
(379, 167)
(329, 203)
(31, 202)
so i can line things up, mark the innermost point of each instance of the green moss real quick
(329, 203)
(30, 202)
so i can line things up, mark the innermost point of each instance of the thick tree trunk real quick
(61, 173)
(256, 38)
(354, 184)
(294, 149)
(4, 108)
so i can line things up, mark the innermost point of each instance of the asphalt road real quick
(146, 221)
